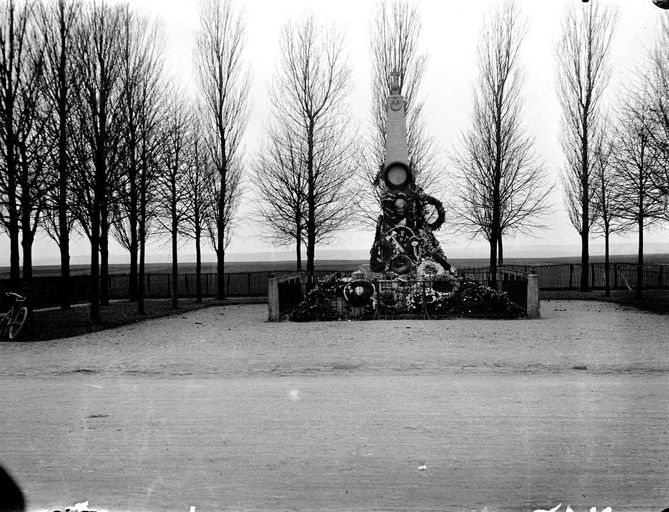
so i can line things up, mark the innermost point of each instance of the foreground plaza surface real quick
(220, 410)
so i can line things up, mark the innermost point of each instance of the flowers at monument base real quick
(443, 295)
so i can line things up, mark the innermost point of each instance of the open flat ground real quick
(218, 409)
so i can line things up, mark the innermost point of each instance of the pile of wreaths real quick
(443, 296)
(339, 299)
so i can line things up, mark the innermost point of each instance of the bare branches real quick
(281, 181)
(99, 55)
(637, 164)
(223, 81)
(303, 170)
(501, 180)
(657, 96)
(21, 74)
(582, 57)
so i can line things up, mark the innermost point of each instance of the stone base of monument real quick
(368, 296)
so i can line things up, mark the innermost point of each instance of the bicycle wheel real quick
(16, 326)
(4, 323)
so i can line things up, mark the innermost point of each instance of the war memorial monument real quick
(408, 274)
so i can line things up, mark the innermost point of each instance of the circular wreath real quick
(429, 268)
(401, 264)
(359, 293)
(441, 213)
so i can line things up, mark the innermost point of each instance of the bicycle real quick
(15, 318)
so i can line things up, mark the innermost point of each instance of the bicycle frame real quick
(11, 318)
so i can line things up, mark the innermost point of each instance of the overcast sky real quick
(449, 37)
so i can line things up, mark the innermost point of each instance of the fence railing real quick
(45, 290)
(621, 275)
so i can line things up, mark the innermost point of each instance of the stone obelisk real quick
(397, 149)
(404, 242)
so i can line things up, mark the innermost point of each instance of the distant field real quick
(251, 266)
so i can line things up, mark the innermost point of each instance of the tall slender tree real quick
(637, 162)
(309, 95)
(141, 72)
(31, 143)
(16, 35)
(606, 199)
(281, 181)
(501, 180)
(172, 209)
(223, 79)
(99, 52)
(57, 22)
(656, 81)
(198, 202)
(583, 74)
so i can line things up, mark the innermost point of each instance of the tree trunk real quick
(26, 202)
(141, 232)
(639, 261)
(12, 175)
(298, 254)
(198, 267)
(132, 278)
(140, 272)
(585, 213)
(220, 278)
(64, 246)
(13, 213)
(492, 278)
(94, 285)
(607, 278)
(63, 227)
(104, 256)
(500, 251)
(220, 251)
(311, 205)
(134, 242)
(27, 245)
(175, 265)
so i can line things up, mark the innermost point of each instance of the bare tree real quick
(636, 160)
(395, 49)
(16, 83)
(657, 93)
(57, 22)
(224, 198)
(223, 81)
(141, 97)
(281, 183)
(500, 179)
(150, 138)
(308, 95)
(31, 145)
(198, 203)
(606, 199)
(583, 74)
(172, 179)
(99, 68)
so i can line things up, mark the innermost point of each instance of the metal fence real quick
(45, 289)
(621, 275)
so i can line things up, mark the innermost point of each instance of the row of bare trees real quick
(97, 140)
(616, 164)
(615, 176)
